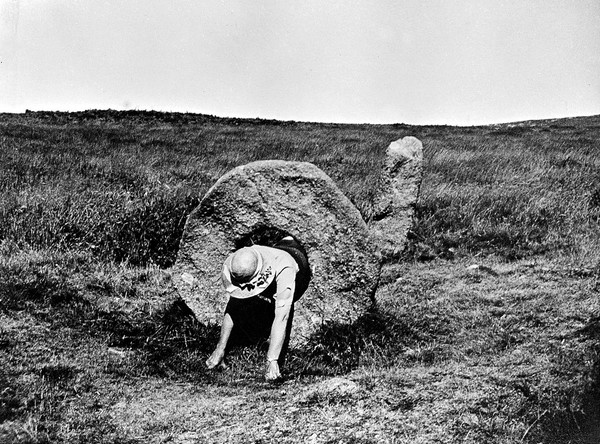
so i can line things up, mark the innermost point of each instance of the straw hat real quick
(248, 272)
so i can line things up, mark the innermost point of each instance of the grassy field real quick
(488, 330)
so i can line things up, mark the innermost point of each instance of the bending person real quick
(263, 282)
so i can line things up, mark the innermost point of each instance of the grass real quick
(121, 184)
(487, 328)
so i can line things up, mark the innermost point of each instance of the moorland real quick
(488, 330)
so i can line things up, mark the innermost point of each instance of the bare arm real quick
(217, 356)
(283, 304)
(278, 328)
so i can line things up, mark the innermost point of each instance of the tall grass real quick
(120, 184)
(516, 192)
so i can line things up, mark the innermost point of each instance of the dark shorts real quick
(293, 247)
(253, 317)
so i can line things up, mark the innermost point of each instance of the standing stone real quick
(300, 199)
(395, 201)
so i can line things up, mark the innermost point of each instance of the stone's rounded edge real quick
(236, 171)
(196, 275)
(193, 293)
(272, 164)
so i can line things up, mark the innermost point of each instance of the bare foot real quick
(216, 359)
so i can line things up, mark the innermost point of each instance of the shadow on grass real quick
(171, 343)
(576, 427)
(339, 348)
(174, 344)
(48, 297)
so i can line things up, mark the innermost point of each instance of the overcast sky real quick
(412, 61)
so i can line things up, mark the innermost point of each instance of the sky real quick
(456, 62)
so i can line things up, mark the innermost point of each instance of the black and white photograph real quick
(315, 222)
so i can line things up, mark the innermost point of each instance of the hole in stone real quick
(262, 235)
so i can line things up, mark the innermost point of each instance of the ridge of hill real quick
(188, 117)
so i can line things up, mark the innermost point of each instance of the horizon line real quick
(331, 122)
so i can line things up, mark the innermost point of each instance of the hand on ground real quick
(216, 359)
(273, 372)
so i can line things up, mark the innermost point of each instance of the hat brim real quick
(255, 286)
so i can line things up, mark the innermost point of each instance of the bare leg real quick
(217, 356)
